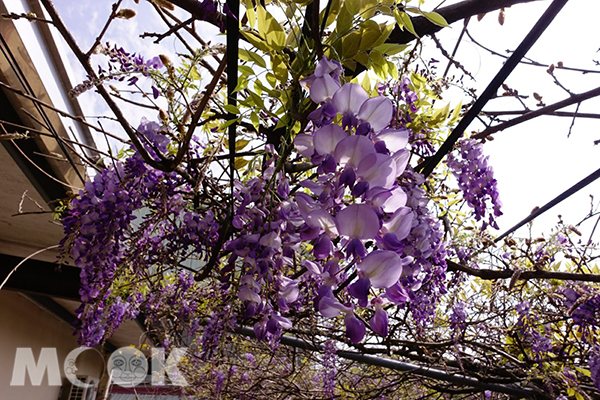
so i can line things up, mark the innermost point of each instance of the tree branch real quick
(555, 114)
(489, 274)
(544, 110)
(85, 63)
(451, 13)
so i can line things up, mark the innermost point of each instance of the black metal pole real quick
(402, 366)
(564, 195)
(233, 35)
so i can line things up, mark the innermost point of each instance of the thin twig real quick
(555, 113)
(541, 111)
(135, 103)
(30, 17)
(172, 29)
(160, 12)
(41, 170)
(25, 195)
(573, 120)
(85, 62)
(25, 259)
(458, 41)
(451, 60)
(489, 274)
(110, 19)
(531, 62)
(57, 110)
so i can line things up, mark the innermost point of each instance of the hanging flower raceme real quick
(355, 211)
(476, 180)
(127, 224)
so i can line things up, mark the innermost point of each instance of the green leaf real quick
(584, 371)
(368, 39)
(366, 83)
(398, 20)
(377, 62)
(455, 113)
(440, 114)
(418, 81)
(344, 20)
(270, 29)
(240, 144)
(248, 55)
(246, 70)
(404, 21)
(255, 120)
(271, 79)
(242, 84)
(385, 7)
(370, 35)
(390, 49)
(230, 108)
(256, 40)
(392, 70)
(279, 68)
(414, 10)
(292, 39)
(385, 33)
(260, 87)
(362, 58)
(333, 12)
(436, 18)
(194, 74)
(350, 44)
(248, 103)
(353, 6)
(368, 8)
(256, 99)
(240, 163)
(227, 123)
(261, 17)
(250, 14)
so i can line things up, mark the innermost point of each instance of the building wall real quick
(25, 324)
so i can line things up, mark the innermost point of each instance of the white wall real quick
(25, 324)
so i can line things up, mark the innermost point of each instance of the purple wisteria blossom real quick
(329, 363)
(476, 180)
(594, 364)
(121, 66)
(356, 210)
(104, 221)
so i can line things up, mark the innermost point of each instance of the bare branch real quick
(542, 111)
(490, 274)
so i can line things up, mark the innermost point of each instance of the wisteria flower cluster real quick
(132, 215)
(122, 65)
(476, 180)
(355, 213)
(584, 308)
